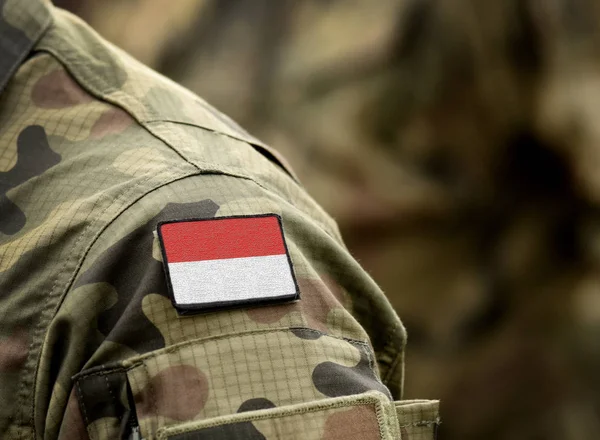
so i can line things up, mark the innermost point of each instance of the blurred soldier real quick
(162, 274)
(495, 104)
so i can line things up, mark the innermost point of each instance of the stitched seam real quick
(380, 421)
(153, 397)
(371, 359)
(398, 359)
(114, 399)
(176, 347)
(394, 364)
(85, 416)
(424, 423)
(100, 373)
(250, 140)
(38, 328)
(312, 330)
(70, 281)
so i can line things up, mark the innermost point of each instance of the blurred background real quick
(457, 144)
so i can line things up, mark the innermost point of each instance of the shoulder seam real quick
(116, 103)
(132, 104)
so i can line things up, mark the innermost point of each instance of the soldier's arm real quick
(329, 363)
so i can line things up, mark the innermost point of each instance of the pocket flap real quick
(367, 416)
(361, 417)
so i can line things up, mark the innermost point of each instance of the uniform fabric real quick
(95, 151)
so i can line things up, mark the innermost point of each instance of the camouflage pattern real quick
(95, 150)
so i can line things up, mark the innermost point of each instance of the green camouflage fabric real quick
(95, 151)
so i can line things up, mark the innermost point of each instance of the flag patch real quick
(226, 262)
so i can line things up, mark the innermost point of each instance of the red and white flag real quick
(227, 261)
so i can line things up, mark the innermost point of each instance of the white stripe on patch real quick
(231, 279)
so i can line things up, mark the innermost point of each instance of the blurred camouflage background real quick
(457, 143)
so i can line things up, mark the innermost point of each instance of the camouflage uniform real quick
(95, 150)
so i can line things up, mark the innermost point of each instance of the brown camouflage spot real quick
(271, 314)
(338, 292)
(112, 121)
(58, 90)
(179, 393)
(13, 351)
(317, 299)
(73, 426)
(358, 423)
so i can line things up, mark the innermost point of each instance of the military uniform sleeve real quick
(154, 372)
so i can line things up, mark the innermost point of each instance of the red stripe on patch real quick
(216, 239)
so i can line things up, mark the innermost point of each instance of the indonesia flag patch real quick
(226, 262)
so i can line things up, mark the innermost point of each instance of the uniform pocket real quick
(367, 416)
(227, 376)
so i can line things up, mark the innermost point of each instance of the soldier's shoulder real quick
(199, 133)
(145, 124)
